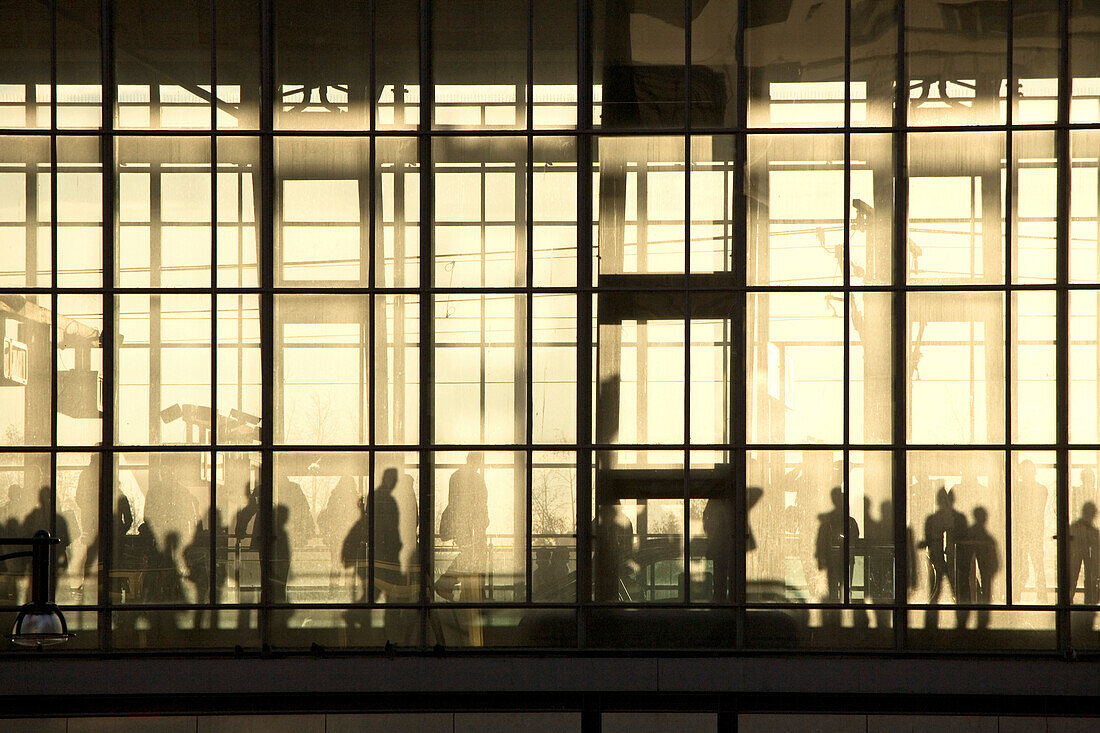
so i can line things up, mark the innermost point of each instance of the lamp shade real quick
(40, 625)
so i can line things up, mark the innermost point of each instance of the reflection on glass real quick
(322, 66)
(164, 212)
(78, 65)
(870, 367)
(554, 211)
(871, 210)
(641, 191)
(1034, 518)
(1035, 61)
(156, 41)
(639, 526)
(239, 377)
(1084, 366)
(479, 54)
(956, 510)
(796, 367)
(554, 527)
(77, 523)
(640, 363)
(1034, 207)
(795, 57)
(713, 85)
(25, 369)
(79, 369)
(396, 369)
(237, 52)
(25, 482)
(480, 211)
(237, 203)
(638, 57)
(162, 391)
(956, 208)
(1033, 362)
(479, 553)
(554, 68)
(554, 369)
(1084, 218)
(956, 375)
(873, 36)
(1084, 62)
(24, 212)
(161, 507)
(322, 211)
(795, 185)
(79, 213)
(322, 369)
(480, 368)
(957, 58)
(25, 59)
(1084, 543)
(397, 213)
(712, 194)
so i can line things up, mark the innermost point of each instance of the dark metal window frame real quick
(585, 134)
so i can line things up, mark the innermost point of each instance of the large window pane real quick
(795, 185)
(322, 211)
(796, 368)
(164, 212)
(956, 375)
(162, 357)
(322, 65)
(162, 64)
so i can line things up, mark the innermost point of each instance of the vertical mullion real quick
(107, 336)
(686, 300)
(738, 337)
(1062, 331)
(1009, 203)
(584, 316)
(427, 376)
(213, 527)
(372, 274)
(846, 279)
(900, 346)
(53, 266)
(529, 236)
(266, 221)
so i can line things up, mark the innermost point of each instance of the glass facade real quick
(571, 324)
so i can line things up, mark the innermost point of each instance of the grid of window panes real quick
(554, 324)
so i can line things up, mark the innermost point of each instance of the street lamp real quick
(39, 623)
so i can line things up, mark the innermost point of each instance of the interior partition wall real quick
(704, 324)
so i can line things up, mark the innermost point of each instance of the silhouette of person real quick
(615, 534)
(87, 504)
(39, 518)
(1086, 491)
(943, 530)
(829, 549)
(1084, 553)
(337, 518)
(981, 563)
(302, 528)
(468, 505)
(244, 524)
(1029, 501)
(388, 575)
(279, 572)
(718, 528)
(408, 526)
(354, 549)
(196, 559)
(169, 505)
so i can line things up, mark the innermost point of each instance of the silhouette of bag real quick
(447, 525)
